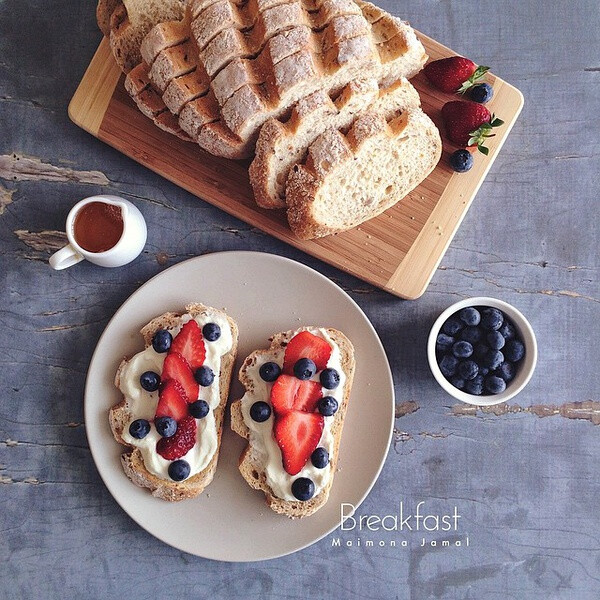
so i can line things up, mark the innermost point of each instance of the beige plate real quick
(264, 294)
(397, 251)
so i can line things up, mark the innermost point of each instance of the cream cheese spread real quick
(142, 404)
(262, 442)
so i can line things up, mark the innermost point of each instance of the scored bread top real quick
(261, 462)
(228, 67)
(347, 179)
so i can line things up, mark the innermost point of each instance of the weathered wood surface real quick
(524, 480)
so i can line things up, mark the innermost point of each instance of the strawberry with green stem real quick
(469, 124)
(455, 74)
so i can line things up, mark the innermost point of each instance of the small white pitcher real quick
(129, 246)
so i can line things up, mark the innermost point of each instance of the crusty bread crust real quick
(119, 416)
(252, 471)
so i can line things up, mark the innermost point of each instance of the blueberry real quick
(468, 369)
(320, 458)
(452, 326)
(269, 371)
(470, 316)
(461, 161)
(514, 350)
(483, 371)
(475, 386)
(493, 359)
(303, 488)
(480, 351)
(448, 365)
(179, 470)
(495, 384)
(166, 426)
(139, 429)
(462, 349)
(199, 409)
(305, 368)
(161, 342)
(495, 340)
(328, 406)
(330, 379)
(481, 93)
(471, 334)
(507, 371)
(150, 381)
(444, 342)
(507, 330)
(204, 376)
(211, 332)
(457, 382)
(260, 412)
(491, 318)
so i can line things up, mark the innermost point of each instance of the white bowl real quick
(525, 368)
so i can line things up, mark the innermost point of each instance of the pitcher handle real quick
(64, 258)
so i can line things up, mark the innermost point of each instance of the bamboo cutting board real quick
(397, 251)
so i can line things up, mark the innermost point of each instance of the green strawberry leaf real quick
(473, 80)
(483, 149)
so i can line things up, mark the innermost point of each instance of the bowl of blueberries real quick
(482, 351)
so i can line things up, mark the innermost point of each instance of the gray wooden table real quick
(524, 477)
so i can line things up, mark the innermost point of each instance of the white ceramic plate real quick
(264, 294)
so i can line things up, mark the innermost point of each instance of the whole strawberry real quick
(454, 74)
(469, 123)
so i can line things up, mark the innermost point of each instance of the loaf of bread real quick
(226, 68)
(349, 178)
(254, 464)
(289, 83)
(122, 415)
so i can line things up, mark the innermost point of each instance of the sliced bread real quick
(347, 179)
(141, 462)
(281, 145)
(241, 64)
(262, 461)
(126, 22)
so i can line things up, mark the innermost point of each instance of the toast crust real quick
(251, 469)
(131, 460)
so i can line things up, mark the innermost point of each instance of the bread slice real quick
(348, 179)
(120, 415)
(150, 103)
(282, 145)
(126, 22)
(252, 461)
(228, 67)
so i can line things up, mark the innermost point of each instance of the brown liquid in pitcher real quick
(98, 226)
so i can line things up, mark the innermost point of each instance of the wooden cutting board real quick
(397, 251)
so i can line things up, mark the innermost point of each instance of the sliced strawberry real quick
(172, 401)
(181, 443)
(176, 367)
(298, 434)
(306, 345)
(289, 393)
(189, 343)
